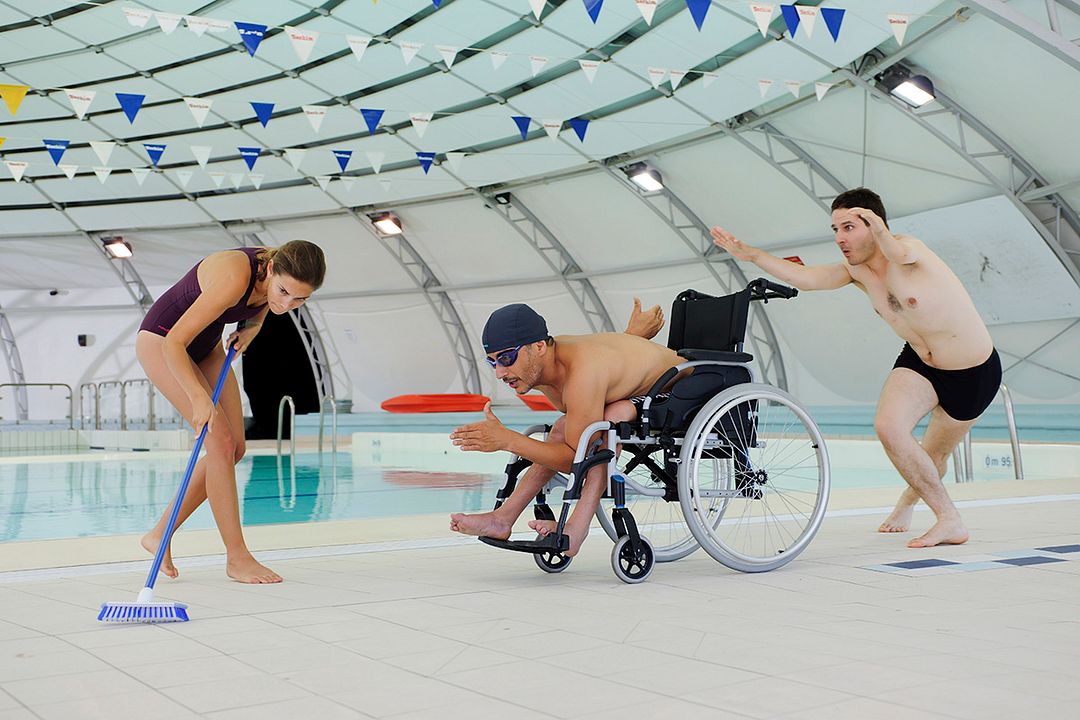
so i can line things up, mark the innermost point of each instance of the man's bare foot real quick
(249, 570)
(150, 542)
(951, 532)
(487, 524)
(545, 527)
(899, 520)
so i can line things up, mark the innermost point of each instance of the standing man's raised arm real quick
(819, 277)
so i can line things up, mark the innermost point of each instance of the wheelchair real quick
(718, 461)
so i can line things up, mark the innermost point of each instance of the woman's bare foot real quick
(899, 520)
(150, 542)
(487, 524)
(545, 527)
(249, 570)
(944, 532)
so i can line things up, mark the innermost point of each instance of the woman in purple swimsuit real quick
(179, 347)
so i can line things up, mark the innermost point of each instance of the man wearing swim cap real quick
(587, 377)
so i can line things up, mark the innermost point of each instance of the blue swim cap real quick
(511, 326)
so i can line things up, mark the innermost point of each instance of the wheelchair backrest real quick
(705, 322)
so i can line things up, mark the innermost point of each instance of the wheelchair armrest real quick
(695, 354)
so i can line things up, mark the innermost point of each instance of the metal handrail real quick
(963, 468)
(70, 397)
(292, 426)
(97, 406)
(149, 399)
(110, 383)
(333, 415)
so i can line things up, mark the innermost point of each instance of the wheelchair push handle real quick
(762, 289)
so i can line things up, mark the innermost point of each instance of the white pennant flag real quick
(498, 57)
(103, 149)
(167, 21)
(69, 170)
(17, 168)
(763, 15)
(537, 7)
(376, 160)
(358, 44)
(214, 25)
(589, 67)
(552, 128)
(102, 174)
(197, 24)
(80, 101)
(236, 179)
(385, 185)
(199, 108)
(538, 63)
(348, 181)
(793, 86)
(201, 153)
(647, 8)
(898, 23)
(323, 180)
(137, 16)
(764, 86)
(448, 54)
(821, 88)
(656, 76)
(454, 159)
(295, 156)
(303, 41)
(708, 79)
(807, 16)
(256, 179)
(140, 174)
(217, 176)
(676, 77)
(420, 121)
(185, 177)
(315, 115)
(409, 50)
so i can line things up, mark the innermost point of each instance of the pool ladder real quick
(963, 467)
(287, 400)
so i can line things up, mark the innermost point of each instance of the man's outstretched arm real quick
(817, 277)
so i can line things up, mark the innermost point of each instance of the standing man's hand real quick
(488, 435)
(645, 324)
(735, 247)
(875, 223)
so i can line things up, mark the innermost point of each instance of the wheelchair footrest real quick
(549, 543)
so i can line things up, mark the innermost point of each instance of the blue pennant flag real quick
(523, 124)
(579, 125)
(791, 18)
(425, 158)
(154, 151)
(436, 3)
(593, 8)
(698, 8)
(252, 34)
(342, 157)
(372, 118)
(56, 149)
(263, 111)
(130, 103)
(832, 17)
(250, 155)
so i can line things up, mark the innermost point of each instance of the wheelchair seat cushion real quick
(688, 395)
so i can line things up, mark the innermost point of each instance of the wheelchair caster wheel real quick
(631, 567)
(551, 562)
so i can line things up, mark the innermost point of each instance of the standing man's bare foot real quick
(150, 542)
(487, 524)
(944, 532)
(577, 536)
(899, 520)
(249, 570)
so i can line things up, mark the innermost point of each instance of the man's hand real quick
(875, 223)
(243, 337)
(645, 324)
(488, 435)
(735, 247)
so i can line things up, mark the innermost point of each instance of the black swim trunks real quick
(963, 394)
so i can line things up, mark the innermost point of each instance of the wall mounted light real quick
(386, 222)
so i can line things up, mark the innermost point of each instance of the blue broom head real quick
(135, 612)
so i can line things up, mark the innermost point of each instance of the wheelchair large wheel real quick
(753, 478)
(658, 519)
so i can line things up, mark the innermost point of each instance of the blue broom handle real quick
(159, 556)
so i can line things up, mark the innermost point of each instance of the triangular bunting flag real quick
(295, 156)
(199, 109)
(656, 76)
(793, 86)
(250, 155)
(579, 126)
(386, 185)
(237, 179)
(898, 23)
(537, 7)
(436, 3)
(593, 8)
(647, 8)
(80, 101)
(348, 181)
(102, 174)
(420, 121)
(833, 18)
(821, 88)
(455, 158)
(448, 54)
(69, 170)
(263, 111)
(154, 150)
(698, 9)
(184, 176)
(56, 149)
(2, 141)
(103, 149)
(708, 79)
(342, 157)
(137, 16)
(409, 50)
(12, 96)
(256, 179)
(676, 77)
(315, 115)
(589, 67)
(376, 160)
(358, 44)
(303, 41)
(140, 174)
(538, 62)
(372, 118)
(791, 18)
(498, 57)
(167, 21)
(552, 128)
(197, 24)
(764, 86)
(217, 176)
(807, 14)
(522, 122)
(130, 103)
(425, 158)
(17, 168)
(323, 180)
(762, 16)
(251, 34)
